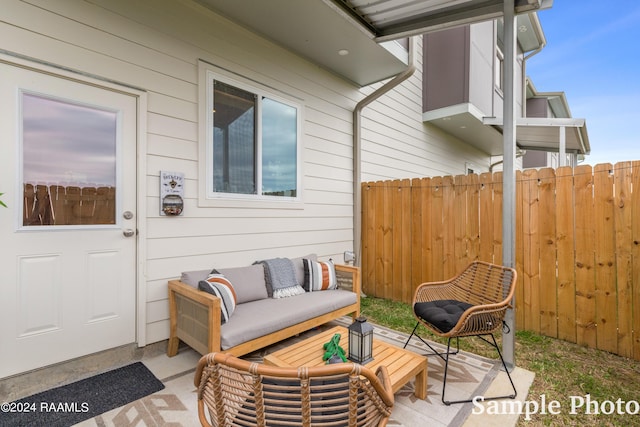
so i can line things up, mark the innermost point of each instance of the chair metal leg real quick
(504, 365)
(435, 352)
(412, 334)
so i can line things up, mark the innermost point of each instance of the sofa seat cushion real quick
(258, 318)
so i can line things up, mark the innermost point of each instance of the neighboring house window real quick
(252, 142)
(499, 69)
(470, 168)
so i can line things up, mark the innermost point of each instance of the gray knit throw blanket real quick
(280, 278)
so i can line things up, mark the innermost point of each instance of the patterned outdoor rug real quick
(469, 375)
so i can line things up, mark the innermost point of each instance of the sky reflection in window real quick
(67, 144)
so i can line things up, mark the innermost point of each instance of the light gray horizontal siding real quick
(155, 46)
(397, 144)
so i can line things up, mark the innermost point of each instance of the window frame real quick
(207, 196)
(499, 70)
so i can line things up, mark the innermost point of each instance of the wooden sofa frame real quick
(194, 317)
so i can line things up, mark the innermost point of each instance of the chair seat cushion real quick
(442, 314)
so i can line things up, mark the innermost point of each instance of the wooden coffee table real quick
(402, 365)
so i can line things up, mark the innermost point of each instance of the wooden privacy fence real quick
(68, 205)
(577, 245)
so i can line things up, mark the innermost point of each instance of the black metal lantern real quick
(361, 341)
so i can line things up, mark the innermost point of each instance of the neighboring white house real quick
(250, 120)
(551, 105)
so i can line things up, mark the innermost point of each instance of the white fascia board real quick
(538, 121)
(453, 110)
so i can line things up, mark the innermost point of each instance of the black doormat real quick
(73, 403)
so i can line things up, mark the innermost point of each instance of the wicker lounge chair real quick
(236, 392)
(472, 303)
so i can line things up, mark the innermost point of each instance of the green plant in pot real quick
(1, 202)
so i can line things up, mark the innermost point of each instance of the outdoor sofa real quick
(262, 310)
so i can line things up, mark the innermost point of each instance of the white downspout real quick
(357, 145)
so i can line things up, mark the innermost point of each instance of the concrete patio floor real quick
(177, 374)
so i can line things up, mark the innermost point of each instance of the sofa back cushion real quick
(248, 282)
(192, 278)
(298, 266)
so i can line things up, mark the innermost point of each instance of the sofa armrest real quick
(348, 277)
(194, 317)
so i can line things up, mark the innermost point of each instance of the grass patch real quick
(562, 369)
(392, 314)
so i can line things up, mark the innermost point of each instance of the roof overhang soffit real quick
(393, 19)
(545, 134)
(319, 29)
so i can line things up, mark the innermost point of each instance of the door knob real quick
(128, 232)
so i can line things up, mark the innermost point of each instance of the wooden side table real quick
(401, 364)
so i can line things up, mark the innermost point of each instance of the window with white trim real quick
(252, 144)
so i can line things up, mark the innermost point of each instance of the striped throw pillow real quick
(221, 287)
(319, 276)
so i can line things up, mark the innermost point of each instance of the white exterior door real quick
(68, 174)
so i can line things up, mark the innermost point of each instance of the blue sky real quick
(593, 55)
